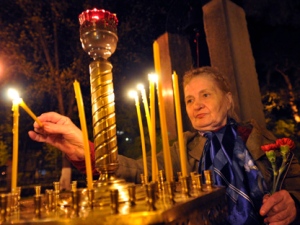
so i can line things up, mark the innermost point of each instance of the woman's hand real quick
(279, 208)
(60, 132)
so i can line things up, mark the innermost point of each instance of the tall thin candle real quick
(182, 149)
(30, 113)
(162, 115)
(141, 127)
(152, 80)
(146, 106)
(14, 179)
(87, 155)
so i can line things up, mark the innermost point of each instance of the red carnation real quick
(269, 147)
(283, 146)
(285, 141)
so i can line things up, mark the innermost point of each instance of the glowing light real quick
(14, 95)
(132, 94)
(153, 77)
(140, 87)
(95, 17)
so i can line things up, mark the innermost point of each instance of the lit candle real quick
(152, 80)
(162, 115)
(134, 95)
(14, 179)
(14, 94)
(146, 107)
(15, 108)
(182, 149)
(87, 155)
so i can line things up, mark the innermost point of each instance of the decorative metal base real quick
(208, 207)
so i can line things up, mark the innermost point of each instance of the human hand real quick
(279, 208)
(60, 132)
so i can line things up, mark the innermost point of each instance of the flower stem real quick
(275, 181)
(277, 178)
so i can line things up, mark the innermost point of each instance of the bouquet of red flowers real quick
(283, 145)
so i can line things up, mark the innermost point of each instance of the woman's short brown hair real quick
(220, 80)
(208, 71)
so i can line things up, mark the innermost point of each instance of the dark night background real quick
(274, 28)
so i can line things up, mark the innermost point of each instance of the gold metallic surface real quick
(103, 112)
(73, 208)
(98, 32)
(98, 36)
(112, 200)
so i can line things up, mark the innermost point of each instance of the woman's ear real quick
(230, 101)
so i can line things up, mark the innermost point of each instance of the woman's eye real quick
(189, 101)
(205, 95)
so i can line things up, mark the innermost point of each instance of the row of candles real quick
(152, 131)
(150, 118)
(163, 122)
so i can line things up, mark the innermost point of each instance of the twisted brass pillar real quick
(98, 36)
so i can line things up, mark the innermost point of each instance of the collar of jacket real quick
(257, 137)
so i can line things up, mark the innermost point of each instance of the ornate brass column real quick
(98, 36)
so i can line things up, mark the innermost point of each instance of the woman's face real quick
(206, 105)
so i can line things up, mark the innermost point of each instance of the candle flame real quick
(153, 77)
(132, 94)
(140, 87)
(14, 95)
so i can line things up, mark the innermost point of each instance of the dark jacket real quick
(253, 135)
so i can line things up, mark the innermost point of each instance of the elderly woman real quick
(231, 150)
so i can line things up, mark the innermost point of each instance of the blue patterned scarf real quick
(233, 167)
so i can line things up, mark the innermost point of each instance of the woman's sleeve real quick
(131, 169)
(80, 165)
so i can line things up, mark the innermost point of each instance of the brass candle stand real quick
(98, 36)
(151, 203)
(112, 200)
